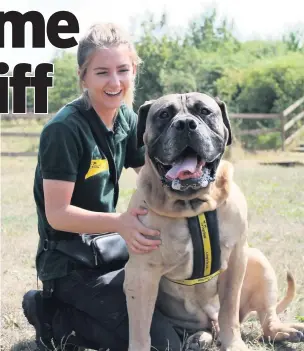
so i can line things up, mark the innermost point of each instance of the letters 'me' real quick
(53, 29)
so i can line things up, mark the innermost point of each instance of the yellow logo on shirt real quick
(97, 165)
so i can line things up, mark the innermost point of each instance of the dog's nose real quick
(188, 123)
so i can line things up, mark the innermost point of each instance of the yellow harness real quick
(206, 257)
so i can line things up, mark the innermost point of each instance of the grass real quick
(10, 144)
(275, 197)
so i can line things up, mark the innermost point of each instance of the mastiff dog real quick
(204, 277)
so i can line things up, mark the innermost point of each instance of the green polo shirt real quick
(68, 151)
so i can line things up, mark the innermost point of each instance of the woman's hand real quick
(133, 231)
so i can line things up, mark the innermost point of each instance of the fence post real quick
(282, 130)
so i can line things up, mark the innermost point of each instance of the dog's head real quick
(185, 137)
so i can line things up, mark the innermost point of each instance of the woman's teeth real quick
(112, 93)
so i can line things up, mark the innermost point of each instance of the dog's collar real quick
(206, 249)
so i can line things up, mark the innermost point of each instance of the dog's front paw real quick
(198, 341)
(237, 345)
(293, 332)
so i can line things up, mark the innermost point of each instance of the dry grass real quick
(20, 144)
(275, 196)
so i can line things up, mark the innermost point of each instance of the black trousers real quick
(94, 313)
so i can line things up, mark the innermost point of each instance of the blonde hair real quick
(100, 36)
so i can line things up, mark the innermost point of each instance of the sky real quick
(253, 19)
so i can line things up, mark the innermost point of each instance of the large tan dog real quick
(185, 137)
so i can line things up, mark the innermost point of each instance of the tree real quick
(294, 39)
(208, 34)
(66, 86)
(155, 49)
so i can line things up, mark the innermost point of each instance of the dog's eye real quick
(164, 115)
(204, 111)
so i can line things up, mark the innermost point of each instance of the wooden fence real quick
(290, 126)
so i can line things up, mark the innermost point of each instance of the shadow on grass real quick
(283, 163)
(25, 345)
(30, 345)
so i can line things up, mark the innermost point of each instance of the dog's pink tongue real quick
(180, 168)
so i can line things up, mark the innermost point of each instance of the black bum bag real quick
(108, 250)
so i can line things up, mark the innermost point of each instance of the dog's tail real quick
(290, 294)
(283, 304)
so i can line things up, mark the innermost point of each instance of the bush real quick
(269, 141)
(268, 86)
(262, 142)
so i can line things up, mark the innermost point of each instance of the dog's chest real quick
(176, 250)
(196, 306)
(190, 307)
(176, 253)
(187, 306)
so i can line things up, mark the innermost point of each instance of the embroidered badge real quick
(98, 164)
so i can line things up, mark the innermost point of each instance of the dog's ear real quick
(226, 121)
(142, 119)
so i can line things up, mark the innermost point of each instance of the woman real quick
(75, 193)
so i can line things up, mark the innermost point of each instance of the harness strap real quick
(206, 249)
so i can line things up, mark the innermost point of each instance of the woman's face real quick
(109, 75)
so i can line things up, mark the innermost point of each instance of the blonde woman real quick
(76, 193)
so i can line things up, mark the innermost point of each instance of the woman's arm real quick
(63, 216)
